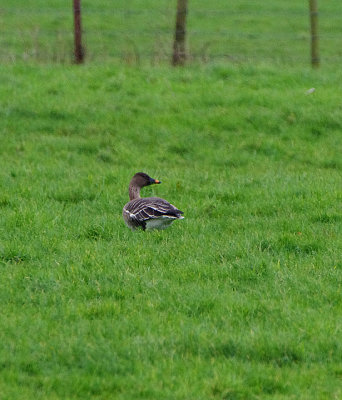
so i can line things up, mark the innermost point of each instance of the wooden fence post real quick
(314, 33)
(179, 52)
(78, 52)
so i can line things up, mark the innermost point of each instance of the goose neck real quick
(134, 192)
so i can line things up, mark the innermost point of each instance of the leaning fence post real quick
(179, 54)
(78, 52)
(314, 33)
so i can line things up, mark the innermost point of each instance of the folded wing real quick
(151, 208)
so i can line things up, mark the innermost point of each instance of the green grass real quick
(241, 300)
(137, 32)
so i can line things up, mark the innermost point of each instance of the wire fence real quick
(145, 35)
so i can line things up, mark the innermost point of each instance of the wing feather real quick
(150, 208)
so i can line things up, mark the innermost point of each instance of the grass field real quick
(241, 300)
(137, 32)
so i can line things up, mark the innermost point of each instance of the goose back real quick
(150, 213)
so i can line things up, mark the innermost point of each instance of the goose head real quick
(141, 179)
(138, 181)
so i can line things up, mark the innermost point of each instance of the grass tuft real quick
(13, 257)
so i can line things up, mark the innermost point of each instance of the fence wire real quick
(139, 35)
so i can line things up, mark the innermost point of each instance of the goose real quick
(148, 212)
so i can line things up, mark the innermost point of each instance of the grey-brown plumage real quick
(148, 212)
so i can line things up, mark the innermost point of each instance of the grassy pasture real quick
(241, 300)
(142, 32)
